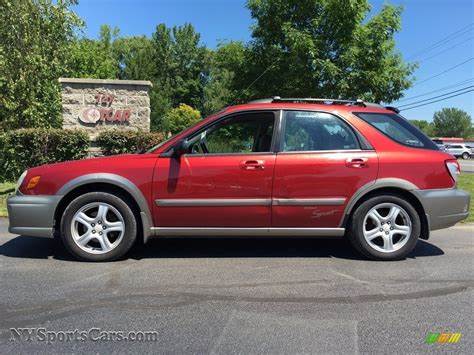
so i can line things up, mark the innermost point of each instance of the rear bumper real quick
(444, 207)
(32, 215)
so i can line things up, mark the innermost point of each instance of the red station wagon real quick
(274, 167)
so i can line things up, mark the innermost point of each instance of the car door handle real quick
(252, 165)
(356, 162)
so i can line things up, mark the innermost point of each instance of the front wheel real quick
(98, 226)
(385, 227)
(465, 156)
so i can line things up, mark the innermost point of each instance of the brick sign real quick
(96, 105)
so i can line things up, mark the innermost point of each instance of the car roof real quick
(307, 106)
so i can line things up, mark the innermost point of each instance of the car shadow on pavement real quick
(41, 248)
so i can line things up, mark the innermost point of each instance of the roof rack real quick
(357, 102)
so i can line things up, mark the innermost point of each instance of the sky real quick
(424, 24)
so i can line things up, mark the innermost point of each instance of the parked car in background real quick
(441, 146)
(272, 168)
(460, 150)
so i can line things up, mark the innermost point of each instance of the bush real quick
(26, 148)
(119, 142)
(180, 118)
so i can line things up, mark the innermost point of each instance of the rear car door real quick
(224, 179)
(320, 165)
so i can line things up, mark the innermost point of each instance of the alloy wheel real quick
(97, 228)
(387, 227)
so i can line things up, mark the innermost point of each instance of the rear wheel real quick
(98, 226)
(465, 156)
(385, 227)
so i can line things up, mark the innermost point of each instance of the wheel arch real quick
(108, 183)
(397, 187)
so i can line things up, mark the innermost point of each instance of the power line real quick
(432, 102)
(444, 40)
(435, 97)
(257, 79)
(437, 90)
(444, 71)
(445, 50)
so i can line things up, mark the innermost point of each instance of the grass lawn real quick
(5, 189)
(466, 182)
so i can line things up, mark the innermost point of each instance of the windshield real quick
(151, 150)
(398, 129)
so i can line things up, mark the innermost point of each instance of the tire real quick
(465, 156)
(371, 235)
(98, 226)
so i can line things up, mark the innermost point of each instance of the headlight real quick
(20, 180)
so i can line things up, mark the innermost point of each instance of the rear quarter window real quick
(398, 129)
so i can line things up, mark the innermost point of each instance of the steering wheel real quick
(203, 145)
(199, 147)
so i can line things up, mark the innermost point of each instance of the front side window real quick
(398, 129)
(245, 133)
(313, 131)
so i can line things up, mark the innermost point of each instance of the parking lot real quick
(241, 296)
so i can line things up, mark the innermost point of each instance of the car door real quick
(319, 168)
(223, 180)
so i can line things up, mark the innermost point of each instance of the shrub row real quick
(119, 142)
(25, 148)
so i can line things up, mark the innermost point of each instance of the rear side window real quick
(398, 129)
(314, 131)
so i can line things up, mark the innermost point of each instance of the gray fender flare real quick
(119, 181)
(374, 185)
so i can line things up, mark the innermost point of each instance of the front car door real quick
(223, 180)
(322, 162)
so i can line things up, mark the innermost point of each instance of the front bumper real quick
(32, 215)
(444, 207)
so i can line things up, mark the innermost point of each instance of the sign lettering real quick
(103, 112)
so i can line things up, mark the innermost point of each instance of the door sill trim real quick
(245, 232)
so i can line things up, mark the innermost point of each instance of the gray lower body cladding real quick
(444, 207)
(32, 215)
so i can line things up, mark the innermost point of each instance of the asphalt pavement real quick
(237, 296)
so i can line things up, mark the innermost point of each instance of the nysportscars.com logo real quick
(92, 334)
(443, 338)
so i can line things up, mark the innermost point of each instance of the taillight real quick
(453, 168)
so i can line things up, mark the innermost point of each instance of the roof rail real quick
(318, 100)
(357, 102)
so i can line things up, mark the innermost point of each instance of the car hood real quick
(110, 164)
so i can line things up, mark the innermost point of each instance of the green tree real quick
(180, 118)
(325, 48)
(181, 67)
(452, 122)
(135, 58)
(94, 58)
(34, 41)
(424, 126)
(222, 87)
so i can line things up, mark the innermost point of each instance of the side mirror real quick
(180, 148)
